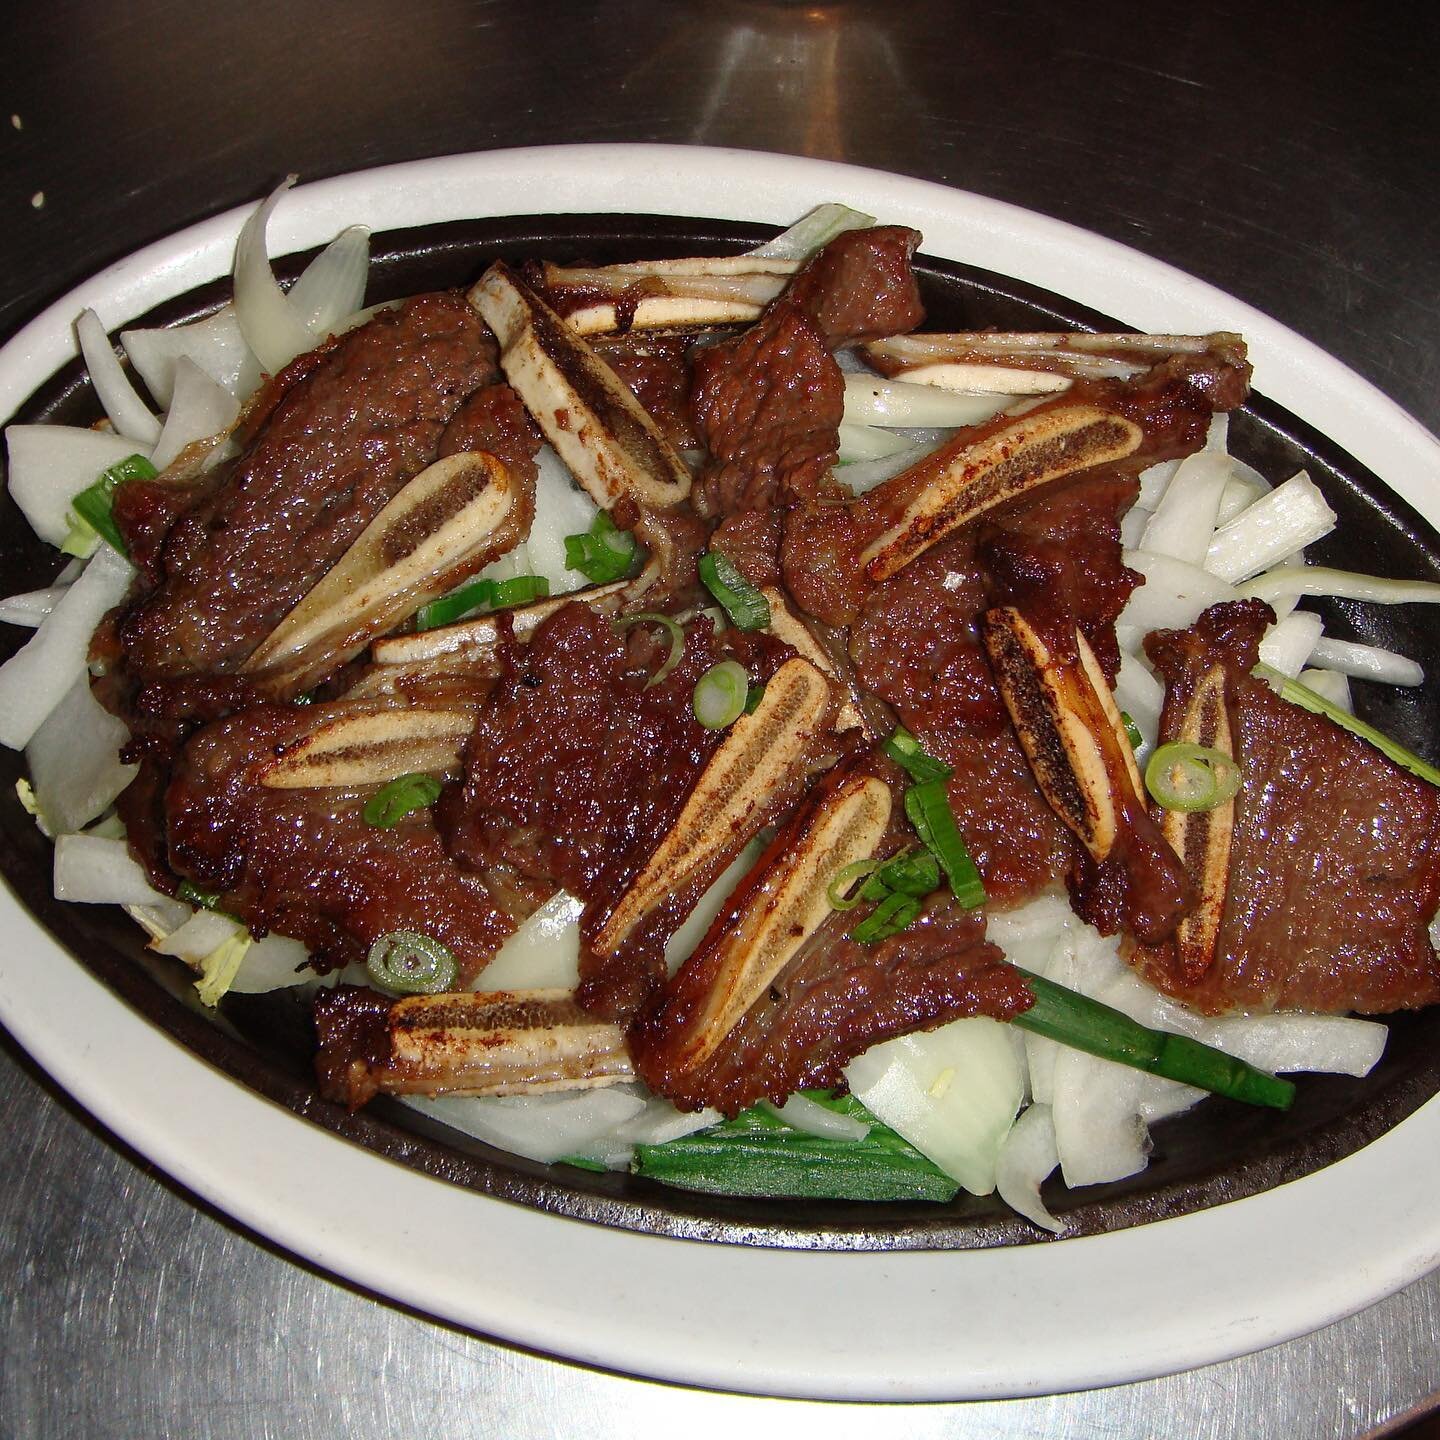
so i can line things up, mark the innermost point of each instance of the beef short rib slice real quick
(1334, 859)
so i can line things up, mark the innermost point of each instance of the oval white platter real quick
(904, 1325)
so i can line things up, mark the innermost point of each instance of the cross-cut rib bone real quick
(786, 625)
(1201, 838)
(445, 524)
(759, 756)
(744, 952)
(656, 294)
(1068, 725)
(370, 747)
(597, 426)
(960, 480)
(507, 1042)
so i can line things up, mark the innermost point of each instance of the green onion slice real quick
(1312, 700)
(406, 962)
(838, 890)
(603, 554)
(915, 873)
(94, 504)
(672, 630)
(720, 695)
(753, 698)
(744, 604)
(194, 895)
(1185, 776)
(1132, 730)
(889, 917)
(906, 751)
(481, 595)
(390, 804)
(928, 808)
(520, 590)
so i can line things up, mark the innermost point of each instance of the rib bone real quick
(597, 426)
(507, 1042)
(1201, 838)
(368, 747)
(963, 479)
(759, 755)
(786, 906)
(786, 625)
(441, 527)
(1069, 728)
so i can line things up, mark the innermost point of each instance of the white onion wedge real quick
(1366, 662)
(865, 475)
(1320, 1044)
(1240, 492)
(1299, 581)
(1288, 644)
(1099, 1132)
(561, 508)
(542, 954)
(1290, 517)
(331, 288)
(656, 1124)
(30, 608)
(816, 228)
(802, 1113)
(215, 344)
(51, 464)
(1154, 482)
(90, 870)
(274, 963)
(269, 323)
(74, 761)
(953, 1093)
(1184, 520)
(1173, 595)
(1027, 1158)
(871, 400)
(686, 939)
(1330, 684)
(36, 678)
(127, 411)
(200, 409)
(205, 931)
(869, 442)
(1140, 695)
(1132, 526)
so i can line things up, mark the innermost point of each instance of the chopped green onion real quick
(583, 1162)
(758, 1154)
(406, 962)
(1132, 730)
(1312, 700)
(94, 504)
(743, 603)
(928, 808)
(753, 698)
(80, 540)
(520, 590)
(194, 895)
(906, 751)
(915, 872)
(604, 554)
(1184, 776)
(889, 917)
(837, 891)
(456, 605)
(1085, 1024)
(720, 695)
(391, 803)
(672, 630)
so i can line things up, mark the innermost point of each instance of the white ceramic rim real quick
(889, 1326)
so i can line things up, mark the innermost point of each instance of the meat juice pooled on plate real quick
(798, 769)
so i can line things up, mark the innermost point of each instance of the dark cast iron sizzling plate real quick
(1217, 1152)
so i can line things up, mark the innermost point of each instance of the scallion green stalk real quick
(747, 608)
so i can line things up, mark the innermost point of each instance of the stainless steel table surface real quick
(1288, 152)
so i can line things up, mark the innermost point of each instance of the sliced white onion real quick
(1027, 1159)
(205, 931)
(1154, 481)
(865, 475)
(1099, 1133)
(331, 288)
(1288, 644)
(1184, 520)
(813, 1118)
(869, 442)
(1132, 526)
(1217, 435)
(540, 1127)
(657, 1124)
(869, 400)
(561, 508)
(31, 608)
(51, 464)
(199, 410)
(813, 230)
(1299, 581)
(215, 344)
(683, 943)
(269, 323)
(1328, 1044)
(1141, 696)
(274, 963)
(127, 411)
(1333, 686)
(1239, 494)
(1173, 595)
(74, 761)
(543, 953)
(1290, 517)
(37, 677)
(953, 1093)
(1366, 662)
(90, 870)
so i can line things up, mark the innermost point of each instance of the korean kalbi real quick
(1320, 878)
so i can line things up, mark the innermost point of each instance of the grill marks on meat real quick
(305, 863)
(768, 403)
(1334, 863)
(576, 770)
(343, 429)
